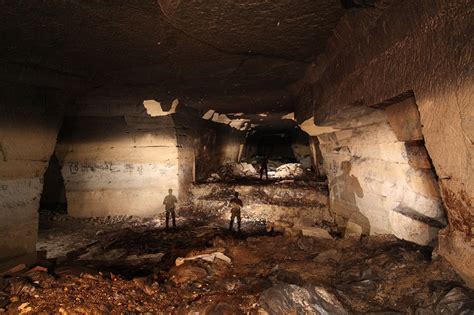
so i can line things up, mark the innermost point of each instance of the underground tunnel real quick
(237, 157)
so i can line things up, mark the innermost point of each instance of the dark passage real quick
(53, 197)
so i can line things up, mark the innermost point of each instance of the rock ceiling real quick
(230, 55)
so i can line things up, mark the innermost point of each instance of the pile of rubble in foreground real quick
(208, 270)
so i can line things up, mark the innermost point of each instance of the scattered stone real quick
(24, 308)
(352, 230)
(316, 232)
(231, 284)
(328, 255)
(290, 170)
(292, 299)
(379, 274)
(38, 268)
(15, 269)
(457, 301)
(237, 170)
(243, 256)
(207, 257)
(14, 298)
(305, 244)
(20, 285)
(146, 285)
(187, 273)
(214, 177)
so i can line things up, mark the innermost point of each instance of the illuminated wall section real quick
(117, 165)
(29, 123)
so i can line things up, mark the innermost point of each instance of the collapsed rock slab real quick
(412, 229)
(206, 257)
(292, 299)
(456, 301)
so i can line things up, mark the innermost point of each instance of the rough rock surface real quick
(379, 274)
(289, 298)
(380, 54)
(29, 123)
(242, 55)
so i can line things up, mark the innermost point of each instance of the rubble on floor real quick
(206, 269)
(290, 170)
(237, 170)
(243, 170)
(289, 206)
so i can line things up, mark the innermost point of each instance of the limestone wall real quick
(421, 46)
(380, 176)
(122, 161)
(29, 122)
(117, 165)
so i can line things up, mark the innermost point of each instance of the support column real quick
(29, 123)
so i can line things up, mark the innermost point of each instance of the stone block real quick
(352, 230)
(412, 230)
(315, 232)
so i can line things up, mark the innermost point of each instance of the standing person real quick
(170, 206)
(235, 204)
(264, 167)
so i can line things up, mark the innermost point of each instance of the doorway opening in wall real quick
(53, 197)
(288, 152)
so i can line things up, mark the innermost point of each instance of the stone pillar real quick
(29, 123)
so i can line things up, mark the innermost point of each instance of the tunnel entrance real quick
(53, 197)
(276, 145)
(288, 151)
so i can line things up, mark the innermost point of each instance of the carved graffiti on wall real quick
(108, 166)
(73, 167)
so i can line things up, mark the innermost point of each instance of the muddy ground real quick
(121, 265)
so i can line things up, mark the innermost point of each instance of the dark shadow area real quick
(273, 144)
(53, 197)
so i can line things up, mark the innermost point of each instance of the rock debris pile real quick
(205, 269)
(238, 171)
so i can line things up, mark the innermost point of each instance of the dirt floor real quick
(126, 265)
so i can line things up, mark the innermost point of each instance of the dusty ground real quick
(119, 265)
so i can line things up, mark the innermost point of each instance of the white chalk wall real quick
(29, 123)
(391, 182)
(117, 165)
